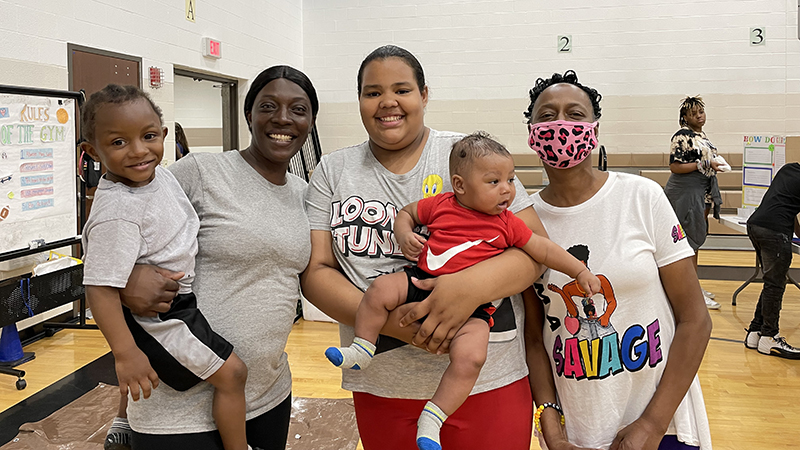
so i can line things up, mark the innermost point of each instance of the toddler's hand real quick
(588, 283)
(134, 373)
(411, 245)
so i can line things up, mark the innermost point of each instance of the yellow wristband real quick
(538, 414)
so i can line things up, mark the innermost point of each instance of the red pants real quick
(498, 419)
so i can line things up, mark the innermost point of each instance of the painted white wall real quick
(198, 104)
(255, 34)
(481, 57)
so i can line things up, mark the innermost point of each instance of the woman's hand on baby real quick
(446, 310)
(135, 373)
(150, 290)
(411, 245)
(393, 328)
(588, 282)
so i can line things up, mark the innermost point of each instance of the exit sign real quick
(212, 48)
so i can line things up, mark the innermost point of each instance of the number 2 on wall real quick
(758, 36)
(565, 43)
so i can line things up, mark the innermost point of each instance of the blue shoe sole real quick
(425, 443)
(334, 356)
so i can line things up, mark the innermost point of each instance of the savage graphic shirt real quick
(608, 352)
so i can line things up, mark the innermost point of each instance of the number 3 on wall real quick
(758, 36)
(565, 43)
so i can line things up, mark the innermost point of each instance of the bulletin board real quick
(762, 157)
(38, 179)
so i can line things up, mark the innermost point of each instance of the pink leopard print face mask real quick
(563, 144)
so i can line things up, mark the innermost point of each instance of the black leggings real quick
(267, 432)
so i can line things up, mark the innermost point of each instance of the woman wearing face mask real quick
(353, 197)
(620, 365)
(692, 188)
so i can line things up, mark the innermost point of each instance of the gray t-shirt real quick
(355, 198)
(253, 243)
(153, 224)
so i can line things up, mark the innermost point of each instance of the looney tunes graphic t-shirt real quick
(608, 351)
(353, 197)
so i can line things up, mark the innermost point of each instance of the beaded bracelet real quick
(538, 414)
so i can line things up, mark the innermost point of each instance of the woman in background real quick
(692, 189)
(181, 144)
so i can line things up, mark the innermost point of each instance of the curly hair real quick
(114, 94)
(688, 105)
(470, 148)
(569, 77)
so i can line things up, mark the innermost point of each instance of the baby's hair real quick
(470, 148)
(393, 51)
(569, 77)
(114, 94)
(689, 104)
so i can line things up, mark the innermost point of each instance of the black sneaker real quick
(777, 346)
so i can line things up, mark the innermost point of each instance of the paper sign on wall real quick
(762, 157)
(37, 170)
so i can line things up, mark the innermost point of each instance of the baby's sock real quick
(357, 356)
(428, 427)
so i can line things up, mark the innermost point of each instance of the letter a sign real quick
(190, 9)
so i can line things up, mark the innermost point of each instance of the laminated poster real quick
(37, 170)
(762, 157)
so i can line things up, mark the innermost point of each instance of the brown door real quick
(91, 70)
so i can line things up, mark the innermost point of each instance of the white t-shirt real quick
(607, 366)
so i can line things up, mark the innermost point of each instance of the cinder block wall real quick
(481, 57)
(255, 34)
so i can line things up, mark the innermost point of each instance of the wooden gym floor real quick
(753, 401)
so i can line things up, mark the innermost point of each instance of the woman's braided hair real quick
(688, 105)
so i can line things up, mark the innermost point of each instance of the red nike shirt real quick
(461, 237)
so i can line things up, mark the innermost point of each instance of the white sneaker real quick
(710, 295)
(751, 340)
(777, 346)
(711, 304)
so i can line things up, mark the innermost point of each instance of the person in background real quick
(623, 374)
(770, 230)
(692, 188)
(181, 144)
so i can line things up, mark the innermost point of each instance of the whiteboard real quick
(38, 184)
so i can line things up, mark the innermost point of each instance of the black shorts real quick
(415, 294)
(180, 344)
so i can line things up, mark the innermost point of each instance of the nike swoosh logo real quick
(436, 262)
